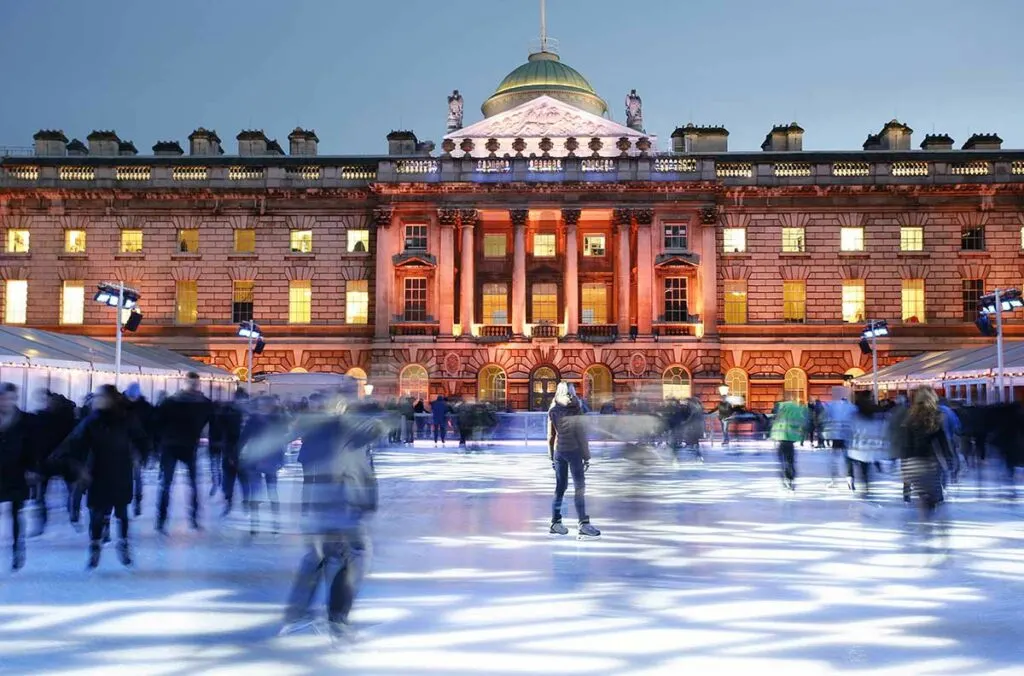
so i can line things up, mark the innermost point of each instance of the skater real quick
(144, 414)
(182, 418)
(319, 432)
(867, 445)
(569, 452)
(923, 442)
(54, 422)
(17, 465)
(229, 433)
(837, 429)
(263, 441)
(439, 414)
(113, 443)
(787, 429)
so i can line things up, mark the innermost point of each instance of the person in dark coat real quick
(264, 438)
(226, 431)
(569, 451)
(144, 413)
(439, 415)
(17, 464)
(319, 432)
(54, 423)
(182, 418)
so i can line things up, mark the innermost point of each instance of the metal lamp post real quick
(872, 330)
(121, 298)
(250, 330)
(995, 303)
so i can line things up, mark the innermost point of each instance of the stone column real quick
(519, 217)
(644, 271)
(709, 276)
(446, 219)
(571, 217)
(387, 226)
(623, 222)
(467, 277)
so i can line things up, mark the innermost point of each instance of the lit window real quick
(675, 383)
(971, 291)
(358, 241)
(736, 380)
(416, 299)
(300, 302)
(794, 301)
(72, 303)
(186, 302)
(675, 237)
(911, 238)
(17, 241)
(495, 299)
(676, 307)
(357, 301)
(242, 300)
(131, 241)
(793, 240)
(16, 306)
(74, 241)
(913, 301)
(851, 239)
(545, 303)
(794, 386)
(245, 241)
(416, 237)
(593, 245)
(853, 300)
(494, 245)
(491, 386)
(734, 240)
(301, 241)
(188, 241)
(972, 238)
(544, 245)
(735, 301)
(595, 304)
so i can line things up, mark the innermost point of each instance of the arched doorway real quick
(491, 386)
(597, 386)
(675, 383)
(360, 377)
(543, 382)
(795, 385)
(414, 382)
(736, 380)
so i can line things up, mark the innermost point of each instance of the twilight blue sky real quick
(353, 71)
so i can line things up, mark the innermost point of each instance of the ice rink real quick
(701, 569)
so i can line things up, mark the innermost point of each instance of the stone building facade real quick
(544, 242)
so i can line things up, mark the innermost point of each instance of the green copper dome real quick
(544, 74)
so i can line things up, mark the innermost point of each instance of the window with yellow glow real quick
(793, 240)
(853, 300)
(494, 245)
(245, 241)
(188, 241)
(72, 303)
(911, 238)
(131, 241)
(186, 302)
(300, 301)
(794, 301)
(544, 245)
(675, 383)
(495, 300)
(913, 301)
(734, 240)
(736, 380)
(17, 241)
(243, 294)
(16, 301)
(491, 385)
(735, 301)
(357, 301)
(594, 303)
(358, 241)
(74, 241)
(545, 303)
(415, 299)
(301, 241)
(795, 385)
(851, 239)
(593, 245)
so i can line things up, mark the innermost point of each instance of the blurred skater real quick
(787, 429)
(144, 414)
(54, 423)
(17, 465)
(264, 438)
(569, 451)
(182, 418)
(923, 443)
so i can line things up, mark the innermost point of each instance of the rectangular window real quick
(853, 300)
(300, 301)
(300, 241)
(544, 245)
(851, 239)
(416, 237)
(794, 301)
(545, 303)
(358, 241)
(17, 241)
(245, 241)
(74, 241)
(72, 303)
(494, 245)
(972, 238)
(416, 299)
(186, 302)
(357, 301)
(911, 238)
(188, 241)
(913, 301)
(495, 299)
(675, 237)
(242, 300)
(734, 240)
(971, 290)
(16, 305)
(131, 241)
(595, 303)
(593, 245)
(793, 240)
(735, 301)
(676, 307)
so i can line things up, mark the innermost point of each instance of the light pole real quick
(250, 330)
(997, 302)
(872, 330)
(122, 298)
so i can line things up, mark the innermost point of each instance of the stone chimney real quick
(126, 149)
(425, 147)
(937, 142)
(77, 148)
(204, 143)
(103, 143)
(402, 143)
(983, 142)
(274, 148)
(784, 137)
(168, 149)
(50, 143)
(252, 143)
(895, 136)
(303, 143)
(873, 142)
(694, 139)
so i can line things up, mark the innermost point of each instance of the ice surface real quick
(701, 569)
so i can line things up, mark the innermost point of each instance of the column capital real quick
(447, 217)
(571, 216)
(643, 216)
(622, 217)
(468, 217)
(519, 216)
(382, 216)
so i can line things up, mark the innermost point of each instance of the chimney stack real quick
(303, 143)
(937, 142)
(77, 149)
(895, 136)
(694, 139)
(784, 137)
(204, 143)
(104, 143)
(983, 142)
(252, 143)
(168, 149)
(126, 149)
(49, 143)
(402, 143)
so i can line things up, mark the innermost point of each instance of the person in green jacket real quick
(788, 428)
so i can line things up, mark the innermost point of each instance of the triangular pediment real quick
(543, 117)
(413, 260)
(677, 260)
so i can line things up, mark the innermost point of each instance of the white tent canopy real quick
(73, 366)
(300, 384)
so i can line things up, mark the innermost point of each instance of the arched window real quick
(854, 373)
(543, 382)
(242, 373)
(736, 379)
(413, 381)
(675, 383)
(298, 369)
(360, 376)
(492, 386)
(795, 385)
(597, 386)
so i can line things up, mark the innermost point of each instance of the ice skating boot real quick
(587, 531)
(558, 528)
(18, 560)
(124, 553)
(293, 625)
(94, 554)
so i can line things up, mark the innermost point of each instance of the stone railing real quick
(545, 331)
(134, 174)
(851, 169)
(302, 173)
(23, 173)
(189, 174)
(245, 174)
(77, 174)
(495, 332)
(598, 333)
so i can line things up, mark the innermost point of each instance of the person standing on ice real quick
(17, 464)
(182, 418)
(569, 451)
(787, 429)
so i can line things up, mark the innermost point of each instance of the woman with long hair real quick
(923, 442)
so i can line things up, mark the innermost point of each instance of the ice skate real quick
(558, 528)
(124, 553)
(341, 634)
(94, 555)
(294, 626)
(587, 531)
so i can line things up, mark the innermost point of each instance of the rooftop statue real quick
(634, 111)
(455, 111)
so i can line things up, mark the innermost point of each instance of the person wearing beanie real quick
(569, 452)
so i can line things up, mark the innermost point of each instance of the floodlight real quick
(249, 330)
(875, 329)
(257, 348)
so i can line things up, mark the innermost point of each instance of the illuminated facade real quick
(544, 242)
